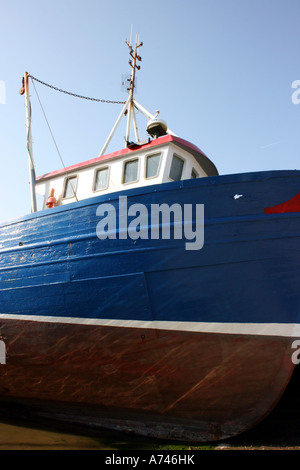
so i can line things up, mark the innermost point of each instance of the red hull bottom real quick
(158, 383)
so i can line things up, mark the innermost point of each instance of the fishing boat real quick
(149, 294)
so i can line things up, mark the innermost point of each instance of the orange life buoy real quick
(51, 201)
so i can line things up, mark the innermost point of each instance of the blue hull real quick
(187, 321)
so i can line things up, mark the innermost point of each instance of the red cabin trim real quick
(126, 151)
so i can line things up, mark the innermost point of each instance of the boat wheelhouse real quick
(165, 159)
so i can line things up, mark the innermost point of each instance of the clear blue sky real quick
(219, 71)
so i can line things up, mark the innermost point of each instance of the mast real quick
(25, 90)
(131, 111)
(128, 108)
(131, 104)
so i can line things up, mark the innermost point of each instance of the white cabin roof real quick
(167, 158)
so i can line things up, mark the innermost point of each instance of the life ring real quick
(51, 201)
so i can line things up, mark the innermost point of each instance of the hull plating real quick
(179, 384)
(196, 344)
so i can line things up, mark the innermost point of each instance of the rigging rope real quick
(47, 122)
(74, 94)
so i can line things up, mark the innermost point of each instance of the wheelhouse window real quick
(130, 173)
(152, 165)
(176, 168)
(70, 186)
(101, 179)
(194, 173)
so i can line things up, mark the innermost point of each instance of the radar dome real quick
(157, 127)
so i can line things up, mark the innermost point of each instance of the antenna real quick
(133, 64)
(131, 104)
(128, 107)
(131, 33)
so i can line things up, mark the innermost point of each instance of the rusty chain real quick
(74, 94)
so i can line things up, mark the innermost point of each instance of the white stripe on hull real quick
(262, 329)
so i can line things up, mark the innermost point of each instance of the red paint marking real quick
(293, 205)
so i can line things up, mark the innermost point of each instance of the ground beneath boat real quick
(279, 431)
